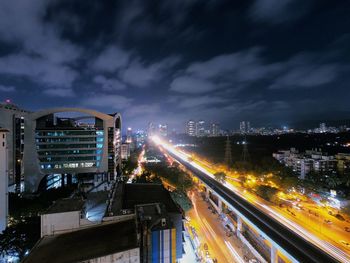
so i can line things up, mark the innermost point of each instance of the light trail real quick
(234, 253)
(324, 245)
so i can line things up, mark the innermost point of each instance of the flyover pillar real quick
(239, 226)
(207, 193)
(274, 254)
(220, 206)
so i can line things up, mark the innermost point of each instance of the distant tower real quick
(228, 153)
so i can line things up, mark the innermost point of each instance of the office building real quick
(3, 179)
(191, 128)
(244, 127)
(163, 130)
(200, 128)
(12, 119)
(58, 147)
(140, 138)
(125, 151)
(129, 135)
(151, 131)
(214, 129)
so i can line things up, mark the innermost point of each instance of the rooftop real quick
(66, 205)
(89, 243)
(138, 194)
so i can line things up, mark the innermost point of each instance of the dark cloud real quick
(109, 84)
(4, 88)
(169, 61)
(111, 59)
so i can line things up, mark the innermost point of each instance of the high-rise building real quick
(59, 147)
(191, 128)
(214, 129)
(129, 135)
(323, 127)
(125, 151)
(244, 127)
(200, 128)
(3, 179)
(140, 138)
(163, 130)
(12, 119)
(151, 129)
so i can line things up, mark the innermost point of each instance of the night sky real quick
(272, 62)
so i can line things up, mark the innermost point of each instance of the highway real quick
(301, 249)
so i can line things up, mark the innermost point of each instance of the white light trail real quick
(234, 253)
(324, 245)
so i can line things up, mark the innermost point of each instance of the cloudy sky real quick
(267, 61)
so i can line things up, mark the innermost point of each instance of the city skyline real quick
(165, 61)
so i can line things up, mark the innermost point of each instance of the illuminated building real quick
(244, 127)
(140, 138)
(214, 129)
(343, 163)
(125, 151)
(12, 119)
(163, 130)
(3, 180)
(57, 148)
(129, 135)
(200, 128)
(191, 128)
(151, 129)
(304, 163)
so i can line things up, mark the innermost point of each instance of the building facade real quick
(214, 129)
(63, 146)
(125, 151)
(200, 128)
(3, 179)
(309, 161)
(191, 128)
(163, 130)
(244, 127)
(12, 119)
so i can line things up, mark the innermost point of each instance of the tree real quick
(17, 239)
(333, 182)
(181, 199)
(266, 192)
(220, 176)
(289, 182)
(346, 209)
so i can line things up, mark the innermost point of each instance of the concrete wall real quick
(58, 223)
(3, 181)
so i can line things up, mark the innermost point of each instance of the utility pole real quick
(228, 153)
(245, 153)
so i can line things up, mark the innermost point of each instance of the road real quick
(290, 240)
(210, 230)
(311, 218)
